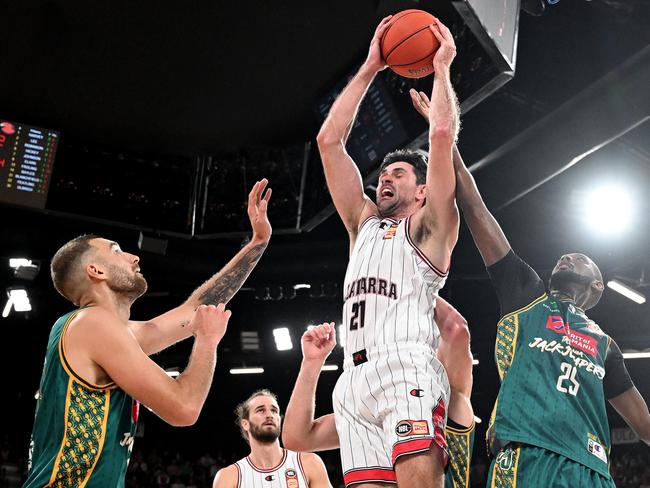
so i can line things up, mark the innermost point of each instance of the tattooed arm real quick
(161, 332)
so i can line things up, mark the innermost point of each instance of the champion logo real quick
(269, 478)
(417, 392)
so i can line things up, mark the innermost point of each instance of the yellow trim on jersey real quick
(66, 365)
(514, 475)
(465, 430)
(465, 433)
(55, 468)
(525, 308)
(102, 437)
(508, 482)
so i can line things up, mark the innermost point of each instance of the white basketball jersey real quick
(390, 289)
(287, 474)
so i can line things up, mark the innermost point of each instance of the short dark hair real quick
(414, 158)
(64, 262)
(243, 410)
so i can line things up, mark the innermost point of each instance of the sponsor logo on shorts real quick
(596, 448)
(417, 392)
(291, 477)
(505, 459)
(412, 427)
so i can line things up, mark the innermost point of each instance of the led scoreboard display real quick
(26, 157)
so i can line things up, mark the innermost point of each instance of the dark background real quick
(144, 93)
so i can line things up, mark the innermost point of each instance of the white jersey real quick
(390, 289)
(288, 474)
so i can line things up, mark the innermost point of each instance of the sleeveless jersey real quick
(550, 358)
(288, 474)
(83, 433)
(390, 289)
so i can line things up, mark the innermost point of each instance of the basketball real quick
(408, 45)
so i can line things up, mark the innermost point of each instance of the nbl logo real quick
(291, 477)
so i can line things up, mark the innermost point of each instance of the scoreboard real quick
(26, 157)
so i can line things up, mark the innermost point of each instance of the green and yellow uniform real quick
(460, 442)
(557, 367)
(83, 433)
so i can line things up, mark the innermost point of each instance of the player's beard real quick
(390, 207)
(263, 435)
(121, 282)
(564, 279)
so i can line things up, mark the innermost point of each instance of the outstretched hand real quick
(318, 342)
(447, 51)
(420, 102)
(258, 203)
(375, 60)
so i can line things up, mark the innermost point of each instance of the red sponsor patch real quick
(580, 341)
(557, 324)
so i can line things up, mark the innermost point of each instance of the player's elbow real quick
(327, 137)
(182, 415)
(291, 441)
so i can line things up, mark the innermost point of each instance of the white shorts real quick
(391, 404)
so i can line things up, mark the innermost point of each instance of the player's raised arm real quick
(112, 346)
(343, 178)
(486, 231)
(301, 432)
(436, 225)
(167, 329)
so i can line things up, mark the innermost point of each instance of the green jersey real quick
(554, 364)
(83, 433)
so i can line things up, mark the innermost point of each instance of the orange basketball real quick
(408, 45)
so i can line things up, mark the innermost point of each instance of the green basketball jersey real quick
(460, 442)
(551, 361)
(83, 433)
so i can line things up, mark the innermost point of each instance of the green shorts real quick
(524, 466)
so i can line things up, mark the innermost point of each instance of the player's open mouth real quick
(386, 193)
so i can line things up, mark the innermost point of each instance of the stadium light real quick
(18, 300)
(18, 262)
(173, 372)
(477, 419)
(474, 362)
(608, 210)
(246, 370)
(636, 355)
(341, 335)
(302, 286)
(330, 367)
(626, 291)
(282, 339)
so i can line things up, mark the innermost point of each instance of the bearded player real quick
(258, 418)
(400, 250)
(97, 366)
